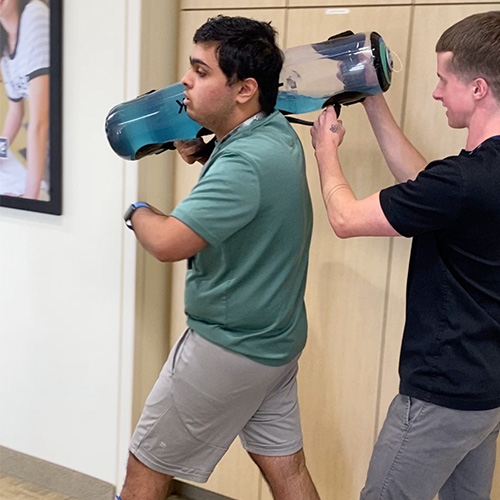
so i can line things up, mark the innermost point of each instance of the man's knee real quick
(283, 467)
(144, 483)
(287, 476)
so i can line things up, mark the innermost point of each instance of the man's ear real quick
(248, 88)
(481, 88)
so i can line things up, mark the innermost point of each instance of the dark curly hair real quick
(246, 49)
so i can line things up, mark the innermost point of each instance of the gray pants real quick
(424, 449)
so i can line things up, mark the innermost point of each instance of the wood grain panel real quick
(332, 5)
(155, 185)
(231, 4)
(346, 293)
(494, 5)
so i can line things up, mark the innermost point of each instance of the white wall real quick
(67, 284)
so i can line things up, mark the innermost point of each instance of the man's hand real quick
(327, 131)
(190, 150)
(348, 216)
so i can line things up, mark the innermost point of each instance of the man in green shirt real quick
(245, 230)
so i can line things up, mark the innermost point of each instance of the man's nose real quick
(185, 80)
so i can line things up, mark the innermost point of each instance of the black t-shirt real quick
(450, 354)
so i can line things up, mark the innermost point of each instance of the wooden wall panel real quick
(155, 185)
(494, 5)
(346, 293)
(230, 4)
(331, 5)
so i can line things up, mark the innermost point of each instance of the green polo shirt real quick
(245, 291)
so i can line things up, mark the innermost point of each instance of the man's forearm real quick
(147, 224)
(337, 193)
(348, 216)
(164, 237)
(403, 159)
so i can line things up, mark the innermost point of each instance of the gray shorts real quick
(205, 396)
(424, 449)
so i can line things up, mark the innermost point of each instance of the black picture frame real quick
(54, 204)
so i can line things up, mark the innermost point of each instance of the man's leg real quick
(203, 399)
(273, 439)
(287, 476)
(419, 447)
(143, 483)
(473, 477)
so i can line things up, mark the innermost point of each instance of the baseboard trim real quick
(53, 477)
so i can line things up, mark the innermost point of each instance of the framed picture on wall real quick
(30, 105)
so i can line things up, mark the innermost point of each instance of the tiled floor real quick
(12, 488)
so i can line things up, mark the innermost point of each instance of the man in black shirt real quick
(441, 430)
